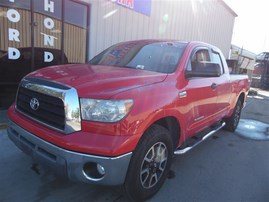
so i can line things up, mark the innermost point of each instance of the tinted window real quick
(201, 55)
(217, 59)
(159, 57)
(76, 14)
(17, 4)
(54, 8)
(204, 64)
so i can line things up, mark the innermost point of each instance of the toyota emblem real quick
(34, 104)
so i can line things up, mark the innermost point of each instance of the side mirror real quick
(204, 69)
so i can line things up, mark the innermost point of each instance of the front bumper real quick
(76, 166)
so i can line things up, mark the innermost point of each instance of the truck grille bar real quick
(50, 104)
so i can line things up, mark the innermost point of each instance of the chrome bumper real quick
(76, 166)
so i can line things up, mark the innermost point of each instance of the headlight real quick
(104, 110)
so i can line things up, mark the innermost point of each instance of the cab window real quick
(203, 63)
(201, 55)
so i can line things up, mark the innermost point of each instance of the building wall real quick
(202, 20)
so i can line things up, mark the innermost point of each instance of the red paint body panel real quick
(155, 96)
(99, 82)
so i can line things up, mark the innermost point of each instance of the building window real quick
(75, 26)
(36, 34)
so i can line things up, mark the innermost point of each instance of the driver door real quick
(201, 94)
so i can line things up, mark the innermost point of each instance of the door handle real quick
(214, 86)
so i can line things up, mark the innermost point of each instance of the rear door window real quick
(217, 59)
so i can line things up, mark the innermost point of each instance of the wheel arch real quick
(173, 126)
(242, 97)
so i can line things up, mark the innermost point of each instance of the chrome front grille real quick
(50, 104)
(50, 110)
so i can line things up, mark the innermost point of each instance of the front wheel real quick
(232, 122)
(150, 164)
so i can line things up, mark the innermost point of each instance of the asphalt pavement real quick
(226, 167)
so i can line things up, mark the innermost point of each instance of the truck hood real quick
(96, 81)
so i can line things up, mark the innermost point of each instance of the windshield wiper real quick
(140, 67)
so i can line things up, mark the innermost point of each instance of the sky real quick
(251, 28)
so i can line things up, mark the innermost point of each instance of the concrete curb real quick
(253, 92)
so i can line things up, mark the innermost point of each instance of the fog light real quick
(101, 169)
(93, 171)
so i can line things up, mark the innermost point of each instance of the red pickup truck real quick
(122, 117)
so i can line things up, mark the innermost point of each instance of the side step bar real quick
(181, 151)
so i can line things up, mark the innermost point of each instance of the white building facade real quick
(210, 21)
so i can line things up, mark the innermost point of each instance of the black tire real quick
(150, 164)
(232, 122)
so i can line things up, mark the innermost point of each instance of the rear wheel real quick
(232, 122)
(150, 164)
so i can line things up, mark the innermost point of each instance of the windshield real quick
(158, 56)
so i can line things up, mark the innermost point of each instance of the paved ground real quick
(226, 167)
